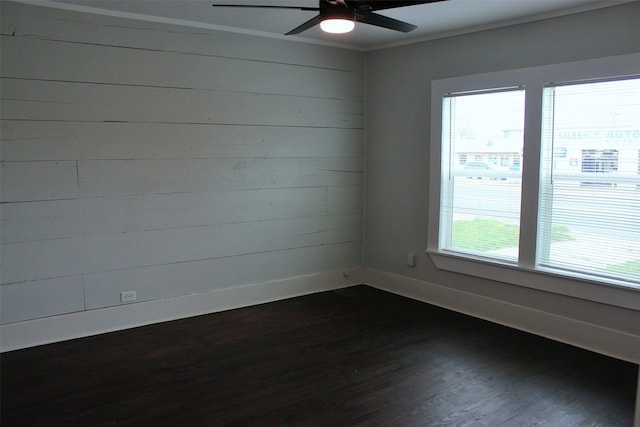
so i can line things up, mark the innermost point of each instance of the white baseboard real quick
(46, 330)
(14, 336)
(589, 336)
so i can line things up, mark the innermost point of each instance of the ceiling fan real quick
(340, 16)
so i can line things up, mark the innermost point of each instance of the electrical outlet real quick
(128, 296)
(411, 259)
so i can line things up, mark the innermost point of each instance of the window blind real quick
(589, 219)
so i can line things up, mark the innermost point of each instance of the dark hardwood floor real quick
(356, 356)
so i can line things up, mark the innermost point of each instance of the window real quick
(553, 190)
(590, 197)
(480, 211)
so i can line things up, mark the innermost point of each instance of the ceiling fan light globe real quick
(337, 26)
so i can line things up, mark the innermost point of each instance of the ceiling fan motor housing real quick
(336, 10)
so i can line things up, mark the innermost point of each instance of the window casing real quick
(513, 176)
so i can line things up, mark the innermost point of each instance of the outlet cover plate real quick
(128, 296)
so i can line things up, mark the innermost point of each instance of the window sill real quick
(625, 296)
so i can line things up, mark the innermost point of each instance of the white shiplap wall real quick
(170, 161)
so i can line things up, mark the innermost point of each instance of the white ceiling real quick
(433, 20)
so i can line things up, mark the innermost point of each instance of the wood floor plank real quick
(356, 356)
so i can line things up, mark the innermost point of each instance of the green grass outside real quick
(629, 268)
(484, 235)
(490, 234)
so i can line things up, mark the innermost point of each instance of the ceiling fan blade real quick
(256, 6)
(372, 6)
(310, 23)
(384, 22)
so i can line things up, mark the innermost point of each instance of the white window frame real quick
(525, 273)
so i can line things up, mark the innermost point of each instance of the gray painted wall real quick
(398, 134)
(169, 160)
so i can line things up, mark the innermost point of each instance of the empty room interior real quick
(212, 223)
